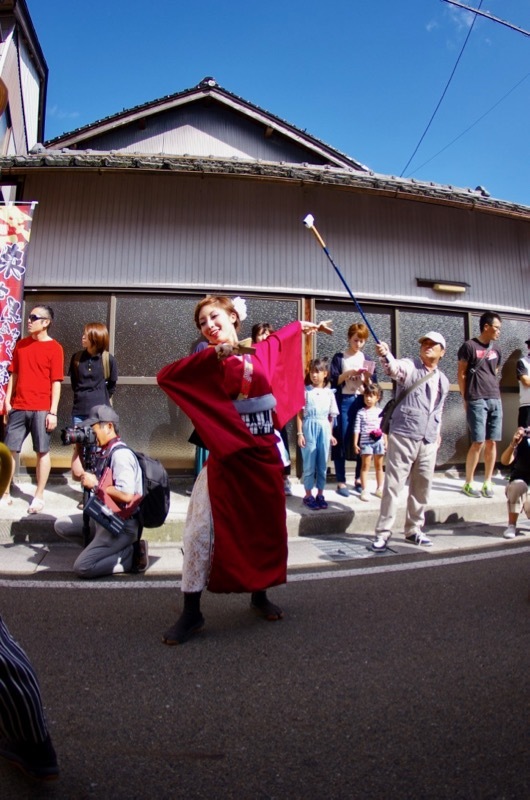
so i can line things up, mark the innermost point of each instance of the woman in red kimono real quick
(235, 400)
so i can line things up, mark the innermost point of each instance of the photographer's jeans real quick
(107, 554)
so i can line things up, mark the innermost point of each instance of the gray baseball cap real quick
(102, 413)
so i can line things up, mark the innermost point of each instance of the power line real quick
(472, 125)
(443, 95)
(487, 15)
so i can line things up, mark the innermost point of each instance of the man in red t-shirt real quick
(32, 397)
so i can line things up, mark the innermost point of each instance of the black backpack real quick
(154, 507)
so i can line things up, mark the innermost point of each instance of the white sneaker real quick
(379, 493)
(380, 542)
(365, 496)
(510, 532)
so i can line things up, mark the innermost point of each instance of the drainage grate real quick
(341, 550)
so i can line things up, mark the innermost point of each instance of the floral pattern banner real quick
(15, 227)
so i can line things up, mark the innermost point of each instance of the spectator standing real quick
(93, 374)
(315, 424)
(349, 378)
(523, 376)
(32, 397)
(517, 455)
(369, 440)
(414, 437)
(479, 360)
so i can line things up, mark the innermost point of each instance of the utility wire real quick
(443, 94)
(487, 15)
(463, 133)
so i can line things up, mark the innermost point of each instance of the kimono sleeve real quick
(195, 385)
(281, 357)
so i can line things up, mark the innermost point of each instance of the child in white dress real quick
(315, 423)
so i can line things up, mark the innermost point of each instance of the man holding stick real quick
(414, 437)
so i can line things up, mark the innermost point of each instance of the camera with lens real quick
(77, 435)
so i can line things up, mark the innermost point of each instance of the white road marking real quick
(321, 575)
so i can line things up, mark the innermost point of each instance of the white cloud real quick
(59, 113)
(460, 18)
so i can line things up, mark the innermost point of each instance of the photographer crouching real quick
(115, 494)
(517, 456)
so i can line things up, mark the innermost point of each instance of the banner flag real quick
(15, 227)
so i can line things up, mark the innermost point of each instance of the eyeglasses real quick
(34, 318)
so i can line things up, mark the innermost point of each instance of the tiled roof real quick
(386, 185)
(207, 87)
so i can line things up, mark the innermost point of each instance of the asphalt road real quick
(410, 684)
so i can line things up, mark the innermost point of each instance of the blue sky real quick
(363, 76)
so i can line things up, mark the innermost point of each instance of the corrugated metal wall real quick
(165, 230)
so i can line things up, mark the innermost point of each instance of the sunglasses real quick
(34, 318)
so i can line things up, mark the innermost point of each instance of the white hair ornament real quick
(240, 306)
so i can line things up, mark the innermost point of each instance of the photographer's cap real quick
(434, 336)
(101, 413)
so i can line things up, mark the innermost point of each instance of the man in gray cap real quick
(120, 489)
(414, 436)
(523, 376)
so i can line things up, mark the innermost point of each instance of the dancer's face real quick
(217, 325)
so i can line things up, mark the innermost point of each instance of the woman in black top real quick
(93, 374)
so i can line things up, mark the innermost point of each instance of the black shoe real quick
(140, 557)
(183, 629)
(260, 603)
(36, 760)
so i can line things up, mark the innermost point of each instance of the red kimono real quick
(245, 480)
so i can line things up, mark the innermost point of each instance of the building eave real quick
(348, 179)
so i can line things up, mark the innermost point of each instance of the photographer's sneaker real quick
(510, 532)
(380, 543)
(468, 489)
(487, 489)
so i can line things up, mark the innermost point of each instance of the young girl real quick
(368, 440)
(315, 423)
